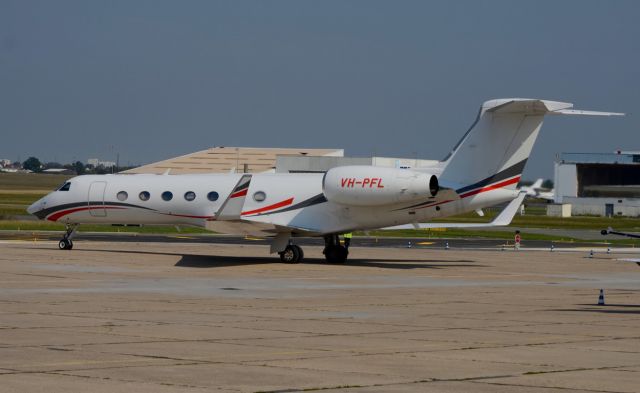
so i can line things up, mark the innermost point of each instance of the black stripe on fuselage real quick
(243, 183)
(315, 200)
(45, 212)
(510, 172)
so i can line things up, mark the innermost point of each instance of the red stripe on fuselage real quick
(59, 215)
(475, 192)
(286, 202)
(239, 193)
(491, 187)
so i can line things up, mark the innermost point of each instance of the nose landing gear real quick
(292, 254)
(66, 243)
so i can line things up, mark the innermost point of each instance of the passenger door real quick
(96, 198)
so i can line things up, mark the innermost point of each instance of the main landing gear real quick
(66, 243)
(334, 252)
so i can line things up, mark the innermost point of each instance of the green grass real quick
(540, 221)
(20, 198)
(31, 181)
(504, 235)
(16, 225)
(15, 203)
(19, 190)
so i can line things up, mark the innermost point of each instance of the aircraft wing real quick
(634, 260)
(610, 231)
(503, 219)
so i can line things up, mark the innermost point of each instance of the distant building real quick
(59, 171)
(602, 184)
(96, 163)
(230, 159)
(298, 164)
(280, 160)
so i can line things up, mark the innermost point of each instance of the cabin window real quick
(212, 196)
(144, 196)
(259, 196)
(122, 196)
(189, 195)
(167, 196)
(65, 187)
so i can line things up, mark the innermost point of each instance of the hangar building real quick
(230, 159)
(280, 160)
(602, 184)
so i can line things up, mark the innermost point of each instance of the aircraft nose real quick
(36, 206)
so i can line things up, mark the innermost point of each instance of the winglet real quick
(503, 219)
(506, 216)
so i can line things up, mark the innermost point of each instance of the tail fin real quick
(537, 184)
(495, 149)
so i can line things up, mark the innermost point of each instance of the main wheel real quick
(335, 254)
(291, 254)
(65, 244)
(300, 253)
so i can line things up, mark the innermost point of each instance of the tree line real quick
(35, 165)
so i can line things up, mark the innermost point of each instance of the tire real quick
(64, 244)
(300, 252)
(335, 254)
(290, 254)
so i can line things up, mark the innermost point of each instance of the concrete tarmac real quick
(191, 317)
(363, 241)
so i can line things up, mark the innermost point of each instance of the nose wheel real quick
(292, 254)
(66, 243)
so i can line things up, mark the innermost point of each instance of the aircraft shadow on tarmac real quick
(629, 309)
(213, 261)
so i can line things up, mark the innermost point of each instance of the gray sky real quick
(155, 79)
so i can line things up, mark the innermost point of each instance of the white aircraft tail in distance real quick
(536, 190)
(481, 170)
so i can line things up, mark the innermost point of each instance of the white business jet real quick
(536, 191)
(482, 170)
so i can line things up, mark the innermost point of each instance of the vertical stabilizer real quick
(495, 149)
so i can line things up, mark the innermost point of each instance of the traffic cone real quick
(591, 254)
(552, 248)
(446, 245)
(608, 250)
(601, 298)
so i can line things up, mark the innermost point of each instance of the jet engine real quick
(375, 186)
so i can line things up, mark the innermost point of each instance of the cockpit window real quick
(65, 187)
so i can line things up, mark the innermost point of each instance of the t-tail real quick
(493, 152)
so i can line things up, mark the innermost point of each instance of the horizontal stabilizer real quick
(584, 113)
(633, 260)
(503, 219)
(538, 107)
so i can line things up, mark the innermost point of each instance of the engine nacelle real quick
(374, 186)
